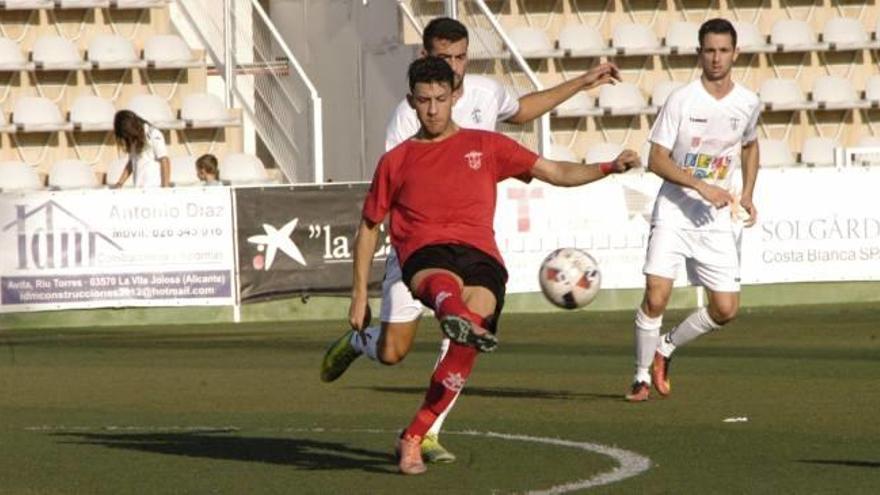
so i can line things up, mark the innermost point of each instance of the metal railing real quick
(283, 105)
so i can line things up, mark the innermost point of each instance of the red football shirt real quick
(444, 192)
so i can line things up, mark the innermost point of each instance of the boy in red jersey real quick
(439, 188)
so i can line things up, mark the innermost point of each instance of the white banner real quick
(814, 225)
(136, 247)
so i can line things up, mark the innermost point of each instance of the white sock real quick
(647, 337)
(368, 348)
(696, 324)
(438, 423)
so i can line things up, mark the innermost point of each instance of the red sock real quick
(442, 293)
(447, 380)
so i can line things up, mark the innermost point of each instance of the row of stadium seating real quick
(105, 51)
(637, 39)
(774, 153)
(92, 113)
(80, 4)
(777, 94)
(235, 169)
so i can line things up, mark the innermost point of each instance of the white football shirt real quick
(145, 165)
(705, 136)
(484, 102)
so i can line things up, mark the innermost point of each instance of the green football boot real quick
(338, 358)
(435, 453)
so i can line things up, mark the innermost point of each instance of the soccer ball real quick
(570, 278)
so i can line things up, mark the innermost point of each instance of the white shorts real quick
(398, 303)
(711, 258)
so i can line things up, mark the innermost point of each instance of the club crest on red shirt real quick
(474, 159)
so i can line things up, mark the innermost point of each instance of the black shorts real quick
(474, 267)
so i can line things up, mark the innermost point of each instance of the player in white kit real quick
(482, 102)
(705, 133)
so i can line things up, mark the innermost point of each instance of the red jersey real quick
(444, 192)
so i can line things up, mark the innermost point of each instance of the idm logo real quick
(50, 236)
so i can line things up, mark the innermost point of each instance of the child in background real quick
(208, 170)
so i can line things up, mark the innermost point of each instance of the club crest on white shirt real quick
(474, 160)
(477, 115)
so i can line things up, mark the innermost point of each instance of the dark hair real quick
(129, 130)
(443, 28)
(208, 163)
(717, 26)
(430, 70)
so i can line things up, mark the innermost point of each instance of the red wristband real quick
(606, 167)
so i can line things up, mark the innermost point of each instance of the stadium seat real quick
(872, 91)
(783, 94)
(581, 40)
(11, 57)
(242, 168)
(19, 176)
(113, 51)
(72, 174)
(83, 4)
(5, 126)
(155, 110)
(28, 4)
(790, 35)
(661, 92)
(835, 93)
(52, 52)
(138, 4)
(92, 113)
(560, 152)
(37, 114)
(868, 159)
(844, 33)
(682, 38)
(622, 99)
(579, 105)
(603, 152)
(183, 171)
(775, 153)
(201, 110)
(749, 39)
(818, 152)
(484, 44)
(630, 38)
(533, 43)
(169, 51)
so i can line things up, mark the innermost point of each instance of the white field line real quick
(629, 463)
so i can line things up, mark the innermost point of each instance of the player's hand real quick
(601, 74)
(752, 212)
(719, 197)
(626, 160)
(359, 314)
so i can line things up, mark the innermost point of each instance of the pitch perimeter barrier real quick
(222, 246)
(114, 248)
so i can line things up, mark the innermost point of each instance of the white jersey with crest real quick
(484, 102)
(706, 136)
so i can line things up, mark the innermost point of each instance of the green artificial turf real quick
(225, 408)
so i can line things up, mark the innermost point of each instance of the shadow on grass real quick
(842, 462)
(312, 455)
(506, 393)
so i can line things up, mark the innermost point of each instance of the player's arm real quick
(750, 160)
(364, 247)
(569, 174)
(533, 105)
(660, 162)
